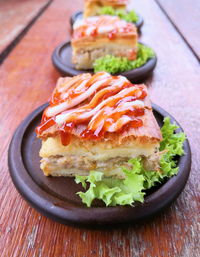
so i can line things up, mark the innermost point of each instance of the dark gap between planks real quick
(18, 38)
(177, 29)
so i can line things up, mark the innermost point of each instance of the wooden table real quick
(27, 79)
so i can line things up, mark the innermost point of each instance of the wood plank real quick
(185, 15)
(15, 15)
(27, 79)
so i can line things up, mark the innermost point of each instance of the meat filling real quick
(85, 164)
(84, 58)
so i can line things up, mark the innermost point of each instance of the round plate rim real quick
(134, 75)
(83, 216)
(138, 24)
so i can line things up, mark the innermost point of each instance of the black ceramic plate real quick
(62, 56)
(79, 15)
(56, 197)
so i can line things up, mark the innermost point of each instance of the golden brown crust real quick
(149, 133)
(108, 2)
(103, 27)
(79, 105)
(96, 37)
(118, 90)
(92, 7)
(127, 39)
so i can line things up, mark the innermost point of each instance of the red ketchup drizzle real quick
(128, 28)
(81, 31)
(107, 118)
(46, 124)
(136, 112)
(143, 95)
(112, 34)
(94, 33)
(136, 123)
(132, 55)
(65, 133)
(55, 97)
(93, 135)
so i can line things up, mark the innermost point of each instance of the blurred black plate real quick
(79, 15)
(55, 197)
(62, 56)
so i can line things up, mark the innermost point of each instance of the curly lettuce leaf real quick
(171, 145)
(114, 191)
(130, 16)
(113, 65)
(173, 142)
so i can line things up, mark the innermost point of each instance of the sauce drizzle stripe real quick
(100, 103)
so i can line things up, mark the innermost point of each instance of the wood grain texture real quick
(185, 15)
(14, 17)
(27, 79)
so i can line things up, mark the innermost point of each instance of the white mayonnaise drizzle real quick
(69, 103)
(101, 24)
(85, 114)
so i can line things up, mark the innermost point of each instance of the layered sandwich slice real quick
(99, 36)
(93, 7)
(97, 122)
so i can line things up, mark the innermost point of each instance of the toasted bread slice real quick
(99, 36)
(93, 7)
(97, 122)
